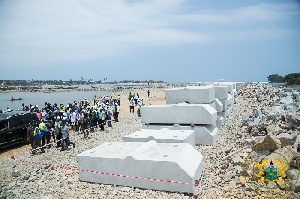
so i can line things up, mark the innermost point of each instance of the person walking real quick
(148, 93)
(85, 125)
(130, 96)
(119, 100)
(131, 105)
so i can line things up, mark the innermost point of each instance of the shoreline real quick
(222, 175)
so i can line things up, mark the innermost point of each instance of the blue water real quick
(39, 98)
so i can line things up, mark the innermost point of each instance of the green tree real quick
(292, 78)
(275, 78)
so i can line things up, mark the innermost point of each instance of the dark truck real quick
(13, 127)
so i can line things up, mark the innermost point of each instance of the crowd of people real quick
(56, 121)
(135, 100)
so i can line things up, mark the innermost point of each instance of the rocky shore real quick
(261, 114)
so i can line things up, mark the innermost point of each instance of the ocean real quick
(39, 98)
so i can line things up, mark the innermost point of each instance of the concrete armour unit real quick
(217, 105)
(179, 114)
(230, 100)
(162, 161)
(230, 85)
(225, 104)
(204, 134)
(220, 120)
(163, 135)
(221, 92)
(191, 94)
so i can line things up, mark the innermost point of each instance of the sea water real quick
(39, 98)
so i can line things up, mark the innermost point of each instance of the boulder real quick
(294, 120)
(287, 139)
(251, 142)
(269, 142)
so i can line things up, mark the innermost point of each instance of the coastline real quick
(222, 175)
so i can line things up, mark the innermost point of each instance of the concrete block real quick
(163, 135)
(229, 110)
(230, 100)
(220, 120)
(228, 84)
(204, 134)
(191, 94)
(221, 92)
(225, 104)
(218, 105)
(163, 161)
(179, 114)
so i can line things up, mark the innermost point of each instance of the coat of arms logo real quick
(271, 170)
(271, 174)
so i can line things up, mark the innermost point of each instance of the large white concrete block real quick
(221, 92)
(228, 84)
(191, 94)
(163, 135)
(179, 114)
(204, 134)
(162, 161)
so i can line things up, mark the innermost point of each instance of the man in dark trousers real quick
(148, 93)
(116, 110)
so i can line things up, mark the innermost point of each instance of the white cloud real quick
(48, 31)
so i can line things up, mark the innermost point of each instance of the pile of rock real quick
(223, 173)
(276, 122)
(280, 115)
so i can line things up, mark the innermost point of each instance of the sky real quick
(167, 40)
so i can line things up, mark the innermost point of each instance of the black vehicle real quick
(13, 127)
